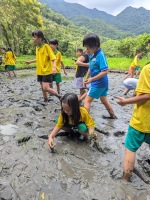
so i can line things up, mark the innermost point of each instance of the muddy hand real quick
(121, 101)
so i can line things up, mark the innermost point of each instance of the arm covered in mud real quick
(52, 135)
(136, 99)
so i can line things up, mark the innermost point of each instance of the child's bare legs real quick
(130, 73)
(58, 87)
(8, 72)
(44, 93)
(87, 102)
(129, 162)
(14, 73)
(46, 88)
(137, 73)
(82, 97)
(108, 106)
(126, 91)
(82, 91)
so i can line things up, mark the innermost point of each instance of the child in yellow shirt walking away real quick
(59, 63)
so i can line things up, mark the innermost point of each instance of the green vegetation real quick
(124, 63)
(113, 63)
(20, 17)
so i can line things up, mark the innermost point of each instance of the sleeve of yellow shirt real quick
(60, 122)
(86, 118)
(143, 85)
(50, 52)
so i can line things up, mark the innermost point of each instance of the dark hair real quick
(39, 34)
(3, 48)
(72, 100)
(53, 41)
(9, 49)
(138, 51)
(148, 41)
(79, 50)
(91, 40)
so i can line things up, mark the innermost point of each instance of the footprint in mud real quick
(23, 140)
(116, 173)
(119, 133)
(28, 124)
(45, 137)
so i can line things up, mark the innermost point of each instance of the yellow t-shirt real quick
(44, 58)
(140, 119)
(135, 62)
(58, 60)
(85, 118)
(9, 58)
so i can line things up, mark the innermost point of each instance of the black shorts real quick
(45, 78)
(6, 67)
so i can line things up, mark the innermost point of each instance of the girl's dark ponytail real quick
(40, 34)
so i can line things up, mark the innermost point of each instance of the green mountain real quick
(131, 20)
(92, 20)
(70, 10)
(99, 27)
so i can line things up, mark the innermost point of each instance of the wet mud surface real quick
(77, 170)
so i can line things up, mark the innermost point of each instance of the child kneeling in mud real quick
(72, 117)
(139, 127)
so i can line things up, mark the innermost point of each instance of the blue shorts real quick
(96, 93)
(135, 138)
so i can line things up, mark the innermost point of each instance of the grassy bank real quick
(114, 63)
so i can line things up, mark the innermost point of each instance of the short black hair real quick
(79, 50)
(138, 51)
(148, 41)
(91, 40)
(53, 41)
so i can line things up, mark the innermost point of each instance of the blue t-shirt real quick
(98, 63)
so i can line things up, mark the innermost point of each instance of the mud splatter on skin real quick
(76, 171)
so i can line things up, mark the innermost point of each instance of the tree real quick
(17, 18)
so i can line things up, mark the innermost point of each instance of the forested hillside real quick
(100, 27)
(131, 20)
(19, 18)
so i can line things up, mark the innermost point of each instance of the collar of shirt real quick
(95, 54)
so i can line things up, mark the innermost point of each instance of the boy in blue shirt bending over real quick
(98, 74)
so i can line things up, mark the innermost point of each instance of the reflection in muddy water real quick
(78, 171)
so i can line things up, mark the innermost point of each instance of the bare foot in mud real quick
(110, 117)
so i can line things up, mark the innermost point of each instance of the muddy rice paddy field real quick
(77, 171)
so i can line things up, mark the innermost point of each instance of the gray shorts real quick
(78, 83)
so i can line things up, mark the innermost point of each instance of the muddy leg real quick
(58, 87)
(46, 88)
(87, 102)
(108, 106)
(44, 94)
(126, 91)
(129, 162)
